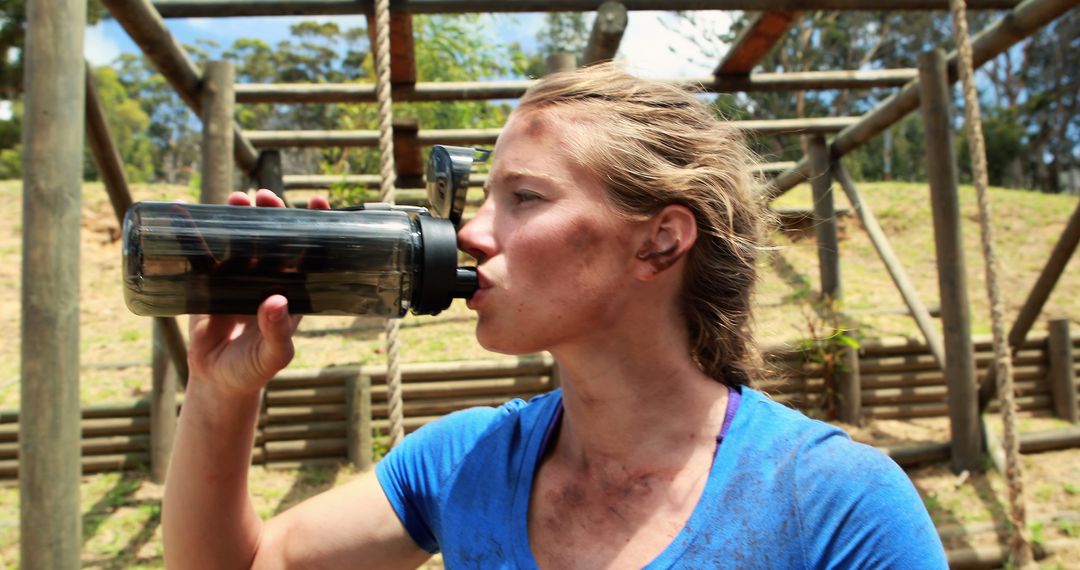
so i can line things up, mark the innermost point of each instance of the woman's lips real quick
(484, 286)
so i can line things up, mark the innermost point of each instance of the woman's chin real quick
(501, 343)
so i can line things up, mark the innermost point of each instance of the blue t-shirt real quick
(784, 491)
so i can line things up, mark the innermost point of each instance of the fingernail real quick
(277, 314)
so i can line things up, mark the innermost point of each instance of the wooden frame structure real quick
(57, 86)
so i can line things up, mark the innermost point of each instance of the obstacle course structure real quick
(60, 101)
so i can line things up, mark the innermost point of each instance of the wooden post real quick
(952, 282)
(607, 32)
(408, 160)
(49, 439)
(903, 284)
(849, 385)
(1061, 377)
(358, 393)
(268, 172)
(162, 406)
(561, 61)
(217, 140)
(828, 245)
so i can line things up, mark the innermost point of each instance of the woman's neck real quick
(643, 404)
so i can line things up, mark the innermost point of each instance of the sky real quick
(655, 43)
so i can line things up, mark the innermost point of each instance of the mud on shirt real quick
(784, 491)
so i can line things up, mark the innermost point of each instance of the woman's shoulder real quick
(441, 445)
(811, 445)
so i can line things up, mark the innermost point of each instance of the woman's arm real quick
(208, 518)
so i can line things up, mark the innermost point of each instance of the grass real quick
(121, 512)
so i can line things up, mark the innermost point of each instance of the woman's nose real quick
(476, 237)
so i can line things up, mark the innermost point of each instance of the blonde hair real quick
(653, 144)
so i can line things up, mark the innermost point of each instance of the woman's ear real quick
(669, 236)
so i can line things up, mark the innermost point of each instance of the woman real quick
(619, 232)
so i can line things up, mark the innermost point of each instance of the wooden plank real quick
(370, 138)
(927, 410)
(607, 32)
(235, 8)
(909, 362)
(407, 156)
(402, 48)
(268, 172)
(163, 421)
(935, 377)
(755, 41)
(115, 426)
(53, 129)
(93, 446)
(294, 449)
(1061, 377)
(253, 93)
(9, 469)
(952, 282)
(935, 393)
(217, 139)
(359, 436)
(828, 244)
(313, 430)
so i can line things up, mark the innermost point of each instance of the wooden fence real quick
(306, 414)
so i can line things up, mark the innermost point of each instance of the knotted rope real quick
(1014, 477)
(386, 194)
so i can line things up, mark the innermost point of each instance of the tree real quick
(13, 41)
(172, 130)
(128, 124)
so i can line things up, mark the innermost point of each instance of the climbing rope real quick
(386, 194)
(1014, 477)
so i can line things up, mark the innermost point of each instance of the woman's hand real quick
(239, 354)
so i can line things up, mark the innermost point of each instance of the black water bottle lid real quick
(441, 280)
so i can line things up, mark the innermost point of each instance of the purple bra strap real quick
(733, 399)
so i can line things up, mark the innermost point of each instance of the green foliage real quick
(172, 130)
(826, 340)
(11, 143)
(128, 123)
(13, 40)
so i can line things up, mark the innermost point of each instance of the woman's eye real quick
(522, 196)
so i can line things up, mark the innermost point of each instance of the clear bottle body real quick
(185, 258)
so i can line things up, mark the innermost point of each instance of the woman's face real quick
(555, 260)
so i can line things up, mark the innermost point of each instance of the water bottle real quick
(377, 260)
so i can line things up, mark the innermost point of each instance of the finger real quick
(276, 349)
(319, 203)
(265, 198)
(239, 199)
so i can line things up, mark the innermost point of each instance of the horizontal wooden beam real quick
(225, 8)
(326, 181)
(319, 139)
(999, 36)
(754, 42)
(513, 89)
